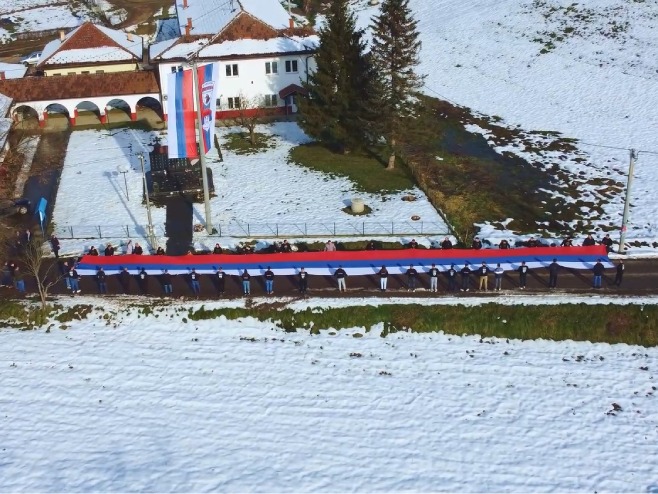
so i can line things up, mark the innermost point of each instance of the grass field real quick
(367, 171)
(630, 324)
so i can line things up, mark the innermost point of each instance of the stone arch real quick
(148, 108)
(118, 110)
(56, 112)
(87, 107)
(26, 117)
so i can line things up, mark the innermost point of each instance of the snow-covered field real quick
(261, 190)
(143, 405)
(41, 17)
(587, 70)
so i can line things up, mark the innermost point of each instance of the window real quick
(271, 100)
(71, 73)
(100, 71)
(177, 69)
(83, 72)
(232, 70)
(218, 102)
(291, 65)
(234, 103)
(271, 67)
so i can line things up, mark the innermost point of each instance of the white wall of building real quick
(252, 80)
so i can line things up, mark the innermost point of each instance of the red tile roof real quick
(79, 86)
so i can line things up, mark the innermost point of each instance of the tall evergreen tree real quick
(335, 106)
(394, 56)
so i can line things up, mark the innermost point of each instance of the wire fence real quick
(262, 230)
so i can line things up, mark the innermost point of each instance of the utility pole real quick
(202, 151)
(627, 201)
(151, 235)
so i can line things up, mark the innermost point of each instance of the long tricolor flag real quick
(182, 112)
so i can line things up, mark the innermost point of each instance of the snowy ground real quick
(38, 16)
(143, 405)
(587, 70)
(262, 190)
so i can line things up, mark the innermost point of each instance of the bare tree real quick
(252, 111)
(38, 266)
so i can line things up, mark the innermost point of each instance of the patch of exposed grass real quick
(240, 143)
(366, 170)
(634, 325)
(366, 210)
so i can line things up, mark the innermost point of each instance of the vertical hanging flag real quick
(181, 116)
(208, 82)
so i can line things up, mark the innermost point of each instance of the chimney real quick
(2, 75)
(291, 23)
(184, 4)
(188, 26)
(129, 36)
(62, 34)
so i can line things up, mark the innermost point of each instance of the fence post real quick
(248, 230)
(127, 231)
(277, 229)
(305, 230)
(334, 228)
(100, 232)
(421, 227)
(219, 229)
(363, 227)
(71, 230)
(392, 227)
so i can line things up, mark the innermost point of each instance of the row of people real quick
(465, 274)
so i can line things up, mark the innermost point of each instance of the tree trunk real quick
(391, 158)
(252, 136)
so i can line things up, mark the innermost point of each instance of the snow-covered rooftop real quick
(92, 43)
(282, 44)
(13, 70)
(5, 103)
(212, 16)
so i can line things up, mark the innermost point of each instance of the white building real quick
(263, 57)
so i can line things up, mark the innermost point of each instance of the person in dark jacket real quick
(413, 244)
(383, 278)
(498, 277)
(523, 275)
(246, 282)
(138, 251)
(101, 280)
(160, 252)
(476, 244)
(109, 250)
(143, 281)
(92, 251)
(165, 279)
(217, 249)
(446, 244)
(19, 280)
(412, 276)
(452, 278)
(303, 281)
(194, 282)
(619, 272)
(340, 276)
(589, 241)
(533, 242)
(220, 276)
(74, 280)
(483, 275)
(434, 278)
(286, 247)
(466, 278)
(269, 281)
(607, 241)
(598, 273)
(504, 244)
(54, 245)
(124, 280)
(567, 242)
(553, 269)
(371, 245)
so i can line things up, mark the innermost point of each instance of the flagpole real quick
(202, 150)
